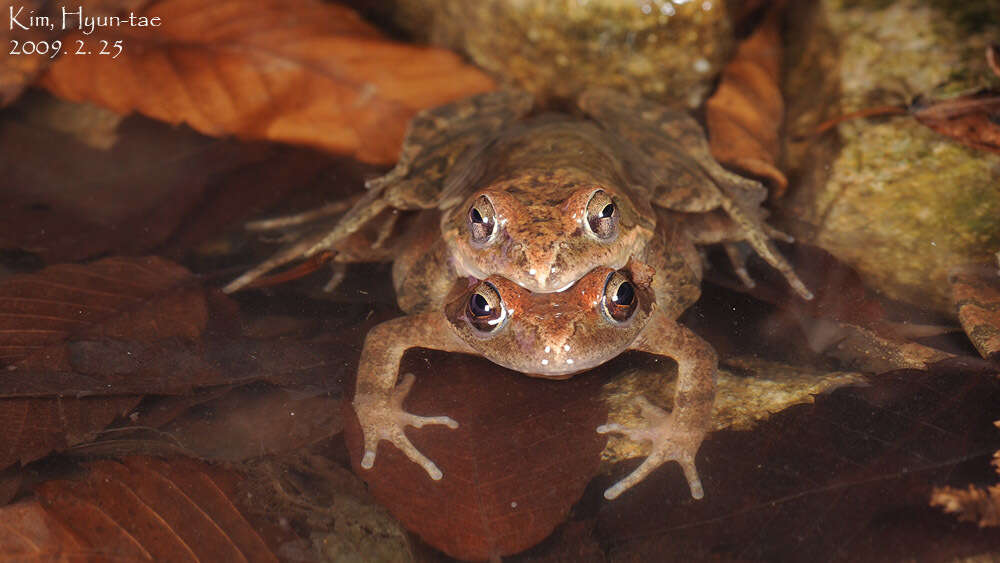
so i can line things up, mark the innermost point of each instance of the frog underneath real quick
(551, 212)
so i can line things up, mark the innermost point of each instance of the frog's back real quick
(525, 154)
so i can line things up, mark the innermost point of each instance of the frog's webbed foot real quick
(382, 418)
(670, 442)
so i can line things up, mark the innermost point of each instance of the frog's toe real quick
(382, 418)
(420, 459)
(669, 442)
(738, 259)
(421, 421)
(648, 466)
(778, 235)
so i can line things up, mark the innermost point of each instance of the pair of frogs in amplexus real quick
(550, 244)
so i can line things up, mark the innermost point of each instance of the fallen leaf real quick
(88, 203)
(521, 457)
(141, 509)
(300, 71)
(17, 72)
(973, 504)
(121, 328)
(973, 119)
(976, 293)
(744, 114)
(849, 474)
(40, 312)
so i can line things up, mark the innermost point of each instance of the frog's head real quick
(543, 231)
(555, 335)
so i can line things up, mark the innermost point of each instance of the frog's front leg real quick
(378, 401)
(677, 435)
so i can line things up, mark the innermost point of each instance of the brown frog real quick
(549, 216)
(556, 335)
(543, 200)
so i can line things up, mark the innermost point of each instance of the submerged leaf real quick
(141, 509)
(300, 71)
(741, 401)
(39, 315)
(981, 506)
(976, 293)
(522, 455)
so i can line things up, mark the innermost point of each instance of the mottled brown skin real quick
(540, 176)
(545, 259)
(552, 335)
(540, 172)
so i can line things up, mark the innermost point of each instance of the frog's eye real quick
(485, 309)
(620, 299)
(602, 215)
(482, 220)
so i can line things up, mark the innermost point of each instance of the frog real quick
(532, 206)
(555, 335)
(542, 199)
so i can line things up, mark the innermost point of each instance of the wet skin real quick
(534, 217)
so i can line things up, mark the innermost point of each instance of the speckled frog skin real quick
(549, 245)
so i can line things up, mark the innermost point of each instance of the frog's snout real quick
(542, 266)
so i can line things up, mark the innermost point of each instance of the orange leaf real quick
(24, 63)
(744, 114)
(142, 509)
(296, 71)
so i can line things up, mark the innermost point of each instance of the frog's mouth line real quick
(472, 271)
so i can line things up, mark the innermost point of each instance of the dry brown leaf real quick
(193, 187)
(973, 504)
(141, 509)
(19, 70)
(744, 114)
(296, 71)
(976, 294)
(971, 119)
(40, 312)
(522, 455)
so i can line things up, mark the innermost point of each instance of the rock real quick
(889, 196)
(670, 51)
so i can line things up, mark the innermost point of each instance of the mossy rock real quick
(666, 50)
(896, 200)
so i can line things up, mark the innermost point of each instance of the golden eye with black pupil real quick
(602, 215)
(485, 309)
(482, 220)
(620, 299)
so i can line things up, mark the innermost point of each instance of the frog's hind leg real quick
(759, 236)
(331, 209)
(435, 140)
(310, 245)
(734, 236)
(667, 153)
